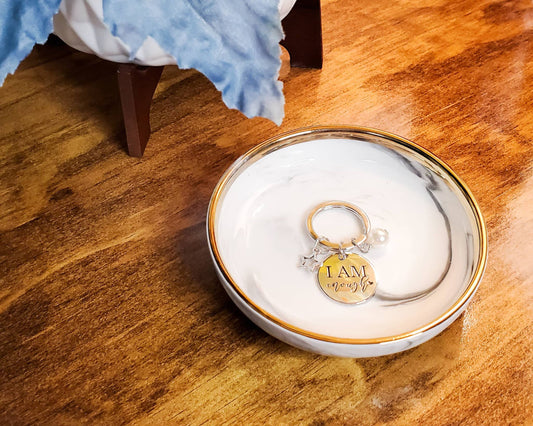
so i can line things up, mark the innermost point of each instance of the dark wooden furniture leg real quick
(137, 86)
(303, 34)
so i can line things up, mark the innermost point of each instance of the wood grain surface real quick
(110, 310)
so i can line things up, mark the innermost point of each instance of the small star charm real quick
(310, 262)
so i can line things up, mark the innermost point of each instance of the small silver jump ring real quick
(342, 252)
(318, 243)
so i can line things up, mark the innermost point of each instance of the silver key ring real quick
(363, 242)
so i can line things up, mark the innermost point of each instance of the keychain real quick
(343, 275)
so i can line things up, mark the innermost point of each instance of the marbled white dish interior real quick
(426, 273)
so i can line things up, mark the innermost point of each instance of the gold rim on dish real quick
(348, 132)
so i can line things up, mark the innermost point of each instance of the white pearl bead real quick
(379, 236)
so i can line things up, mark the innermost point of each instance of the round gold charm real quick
(350, 280)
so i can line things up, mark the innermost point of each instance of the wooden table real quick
(110, 311)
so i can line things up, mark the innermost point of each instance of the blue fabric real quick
(235, 43)
(22, 24)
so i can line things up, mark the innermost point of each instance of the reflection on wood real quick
(110, 310)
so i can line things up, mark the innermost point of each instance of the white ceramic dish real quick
(427, 272)
(80, 24)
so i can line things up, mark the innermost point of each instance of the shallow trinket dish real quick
(426, 273)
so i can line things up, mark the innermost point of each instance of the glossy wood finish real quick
(110, 311)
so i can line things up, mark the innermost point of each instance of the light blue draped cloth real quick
(22, 24)
(235, 43)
